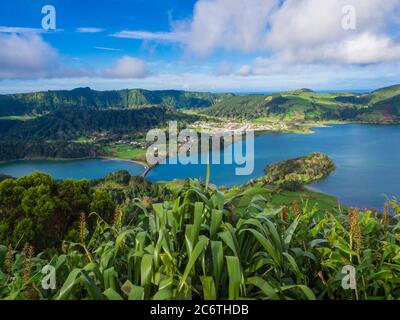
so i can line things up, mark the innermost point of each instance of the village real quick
(220, 128)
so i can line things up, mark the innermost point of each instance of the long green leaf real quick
(93, 290)
(69, 284)
(306, 291)
(217, 253)
(209, 291)
(121, 240)
(200, 246)
(146, 269)
(216, 219)
(264, 286)
(3, 253)
(109, 278)
(235, 277)
(291, 230)
(137, 293)
(111, 294)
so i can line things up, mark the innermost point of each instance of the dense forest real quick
(41, 211)
(38, 210)
(27, 149)
(54, 135)
(74, 123)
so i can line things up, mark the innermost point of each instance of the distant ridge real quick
(47, 101)
(380, 106)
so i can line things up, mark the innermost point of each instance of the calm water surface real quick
(367, 159)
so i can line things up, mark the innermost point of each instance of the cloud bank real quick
(297, 31)
(25, 56)
(277, 40)
(126, 68)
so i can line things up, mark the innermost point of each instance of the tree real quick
(103, 204)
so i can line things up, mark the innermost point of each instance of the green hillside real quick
(75, 122)
(80, 133)
(379, 106)
(43, 102)
(385, 93)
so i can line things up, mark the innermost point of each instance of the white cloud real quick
(297, 31)
(26, 57)
(24, 30)
(156, 36)
(368, 48)
(362, 49)
(223, 69)
(294, 31)
(229, 24)
(127, 68)
(4, 29)
(108, 49)
(244, 71)
(300, 43)
(226, 24)
(311, 31)
(316, 77)
(89, 30)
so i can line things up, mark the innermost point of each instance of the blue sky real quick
(207, 45)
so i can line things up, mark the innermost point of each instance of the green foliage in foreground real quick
(42, 211)
(196, 247)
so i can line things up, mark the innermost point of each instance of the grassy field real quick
(19, 118)
(125, 152)
(84, 140)
(305, 198)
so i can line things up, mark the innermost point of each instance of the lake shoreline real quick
(143, 164)
(364, 177)
(362, 146)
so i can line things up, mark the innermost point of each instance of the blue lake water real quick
(367, 159)
(74, 169)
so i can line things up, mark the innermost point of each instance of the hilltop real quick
(380, 106)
